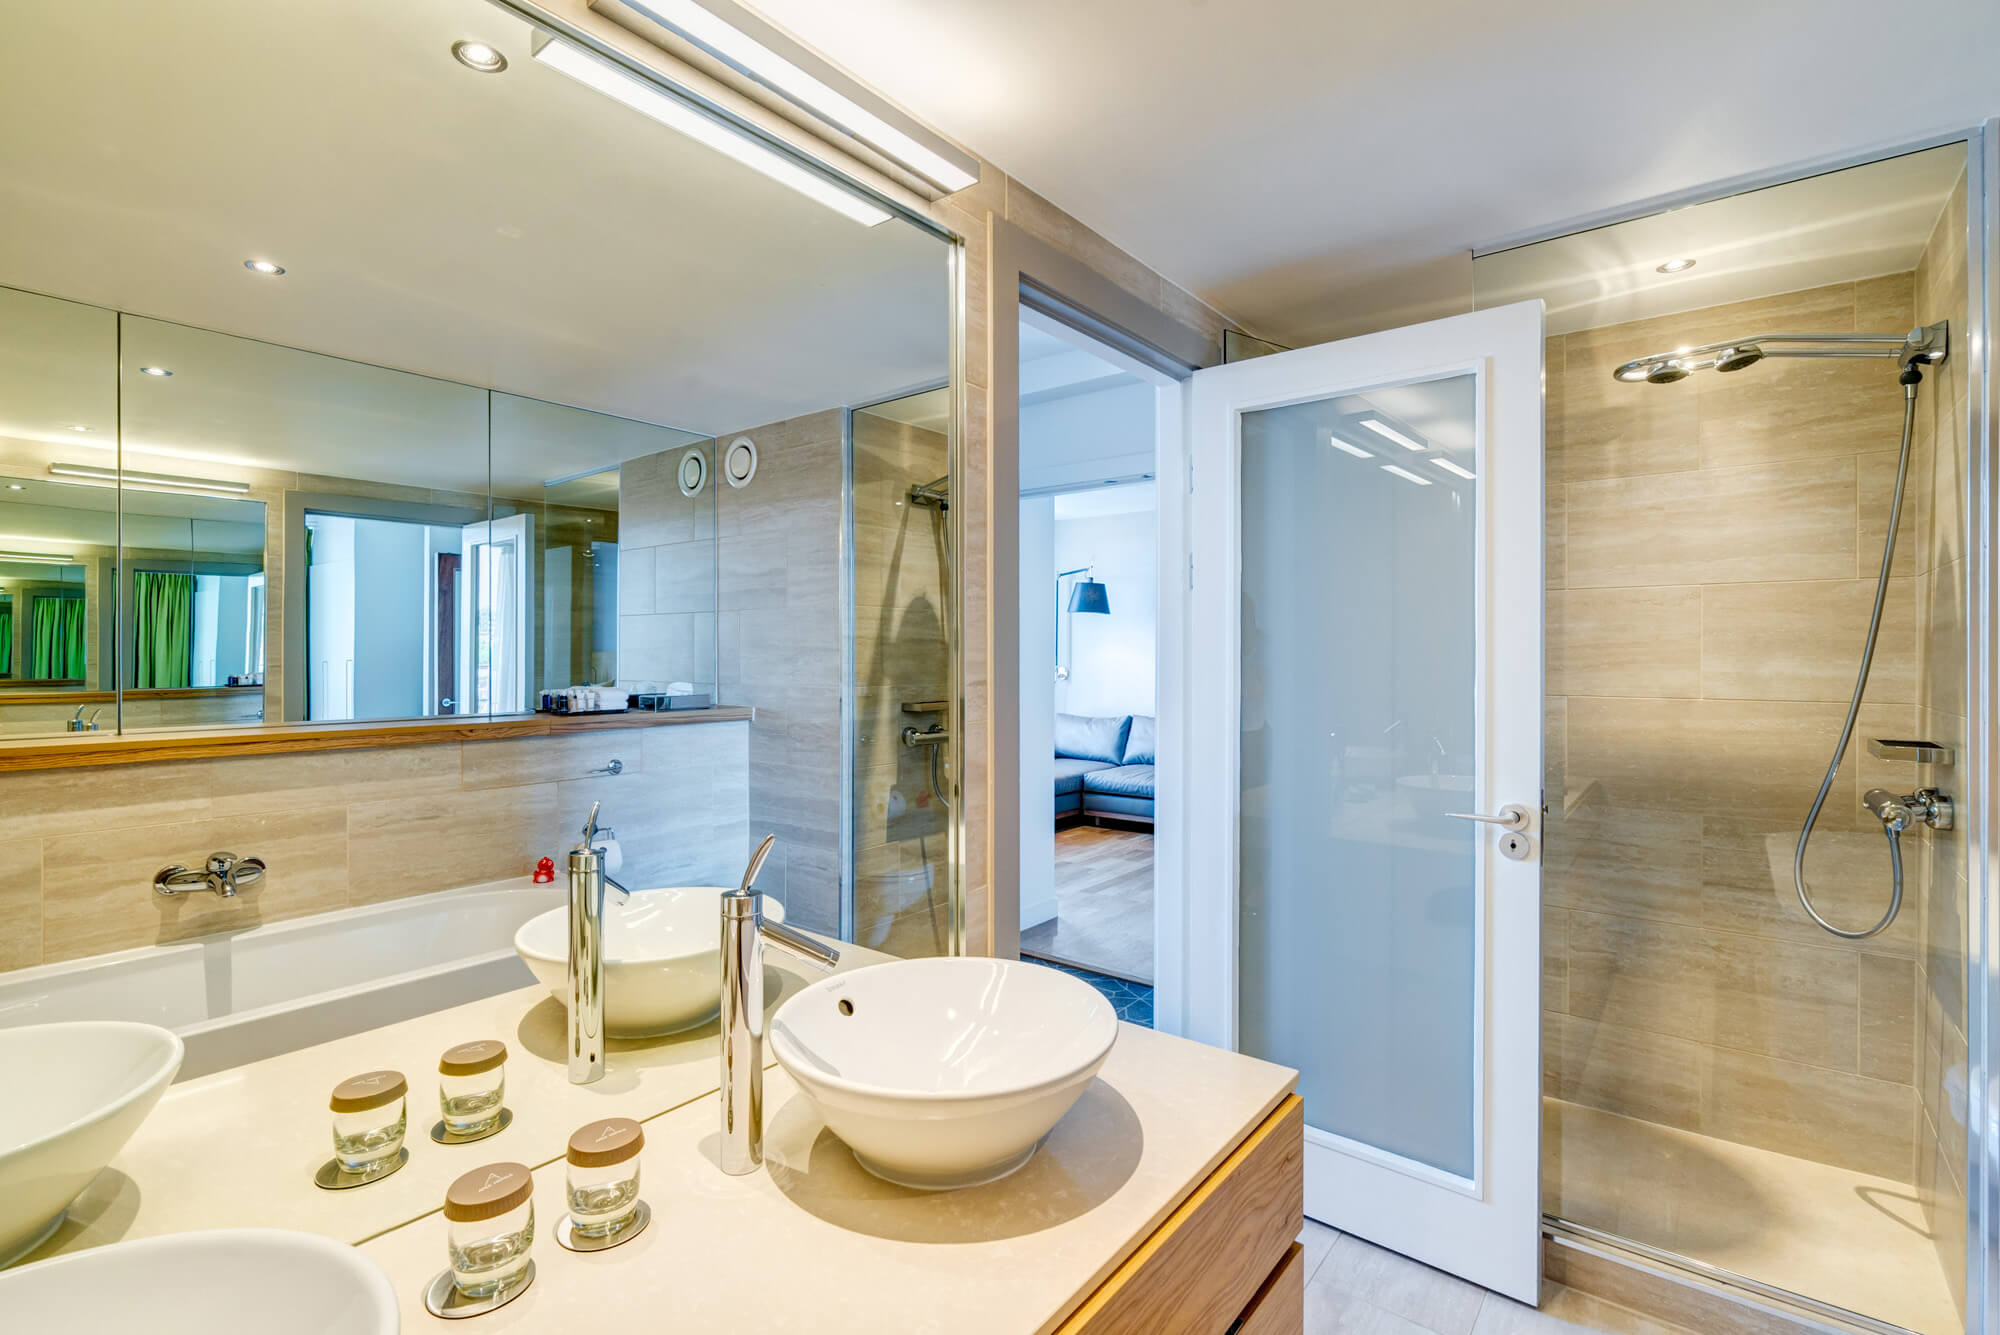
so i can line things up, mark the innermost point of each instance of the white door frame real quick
(1487, 1227)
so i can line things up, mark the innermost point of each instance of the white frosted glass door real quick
(1374, 519)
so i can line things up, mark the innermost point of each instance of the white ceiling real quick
(1315, 169)
(517, 231)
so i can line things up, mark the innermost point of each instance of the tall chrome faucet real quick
(587, 883)
(744, 933)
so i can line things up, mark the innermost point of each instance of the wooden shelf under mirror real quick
(84, 750)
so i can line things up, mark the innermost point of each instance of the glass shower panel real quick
(902, 555)
(1358, 643)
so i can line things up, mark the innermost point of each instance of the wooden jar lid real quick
(472, 1058)
(359, 1093)
(601, 1144)
(488, 1193)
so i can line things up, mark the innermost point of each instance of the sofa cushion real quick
(1092, 738)
(1124, 781)
(1070, 772)
(1140, 746)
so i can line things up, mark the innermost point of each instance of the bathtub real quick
(243, 996)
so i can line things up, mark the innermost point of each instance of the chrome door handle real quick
(1513, 816)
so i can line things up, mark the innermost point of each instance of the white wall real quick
(1110, 658)
(1087, 438)
(1038, 714)
(389, 621)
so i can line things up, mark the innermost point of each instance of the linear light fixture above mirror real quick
(149, 481)
(39, 558)
(754, 48)
(594, 72)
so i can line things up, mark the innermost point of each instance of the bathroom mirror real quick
(58, 533)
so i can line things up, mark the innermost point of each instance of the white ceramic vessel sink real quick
(75, 1093)
(944, 1073)
(662, 957)
(207, 1283)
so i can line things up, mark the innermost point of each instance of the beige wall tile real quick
(1625, 641)
(1746, 881)
(1849, 1120)
(1713, 526)
(1555, 539)
(20, 903)
(1720, 757)
(409, 846)
(1555, 959)
(684, 577)
(98, 884)
(1798, 410)
(1620, 1070)
(512, 762)
(1888, 993)
(1642, 864)
(1783, 641)
(1875, 480)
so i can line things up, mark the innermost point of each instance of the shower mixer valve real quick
(1926, 806)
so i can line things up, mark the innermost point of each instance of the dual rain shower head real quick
(1666, 368)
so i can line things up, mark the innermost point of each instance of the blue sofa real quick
(1104, 768)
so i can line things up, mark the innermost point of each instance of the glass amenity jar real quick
(490, 1226)
(602, 1173)
(472, 1086)
(370, 1114)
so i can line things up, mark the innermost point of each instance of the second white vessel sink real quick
(75, 1094)
(206, 1283)
(662, 957)
(942, 1073)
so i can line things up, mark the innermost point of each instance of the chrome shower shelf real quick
(1913, 752)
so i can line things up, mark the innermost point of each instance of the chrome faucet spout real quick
(585, 994)
(744, 936)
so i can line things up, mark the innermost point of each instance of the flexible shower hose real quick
(1910, 380)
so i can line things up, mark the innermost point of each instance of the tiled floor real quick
(1355, 1288)
(1838, 1235)
(1133, 1001)
(1104, 903)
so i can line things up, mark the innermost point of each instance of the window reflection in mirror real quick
(58, 537)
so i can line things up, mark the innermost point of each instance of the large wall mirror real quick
(386, 388)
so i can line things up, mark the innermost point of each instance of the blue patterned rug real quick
(1132, 1001)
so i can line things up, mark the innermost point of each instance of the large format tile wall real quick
(1713, 546)
(666, 574)
(1938, 890)
(341, 829)
(778, 609)
(901, 568)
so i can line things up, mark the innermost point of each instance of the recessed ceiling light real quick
(478, 56)
(78, 426)
(155, 370)
(15, 486)
(1674, 266)
(1343, 446)
(1387, 432)
(264, 267)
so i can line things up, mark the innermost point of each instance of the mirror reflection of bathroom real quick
(1090, 591)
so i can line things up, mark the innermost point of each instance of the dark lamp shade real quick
(1088, 596)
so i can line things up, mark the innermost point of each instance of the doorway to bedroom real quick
(1090, 590)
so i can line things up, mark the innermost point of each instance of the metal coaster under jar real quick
(370, 1114)
(472, 1089)
(601, 1186)
(490, 1230)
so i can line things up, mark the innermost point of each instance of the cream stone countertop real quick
(813, 1243)
(239, 1148)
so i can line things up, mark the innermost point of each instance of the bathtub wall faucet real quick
(223, 875)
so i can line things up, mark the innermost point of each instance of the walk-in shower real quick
(1760, 659)
(1912, 351)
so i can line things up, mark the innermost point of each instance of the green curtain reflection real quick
(162, 629)
(6, 638)
(55, 649)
